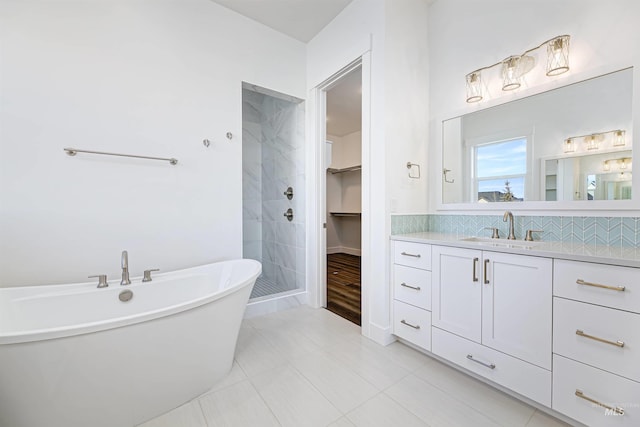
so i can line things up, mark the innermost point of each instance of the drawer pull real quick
(486, 267)
(490, 366)
(415, 288)
(598, 285)
(413, 255)
(616, 343)
(475, 268)
(409, 324)
(616, 409)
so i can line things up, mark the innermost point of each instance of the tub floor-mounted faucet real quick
(125, 269)
(509, 216)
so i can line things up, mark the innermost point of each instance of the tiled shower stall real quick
(273, 161)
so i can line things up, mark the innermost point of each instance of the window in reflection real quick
(501, 169)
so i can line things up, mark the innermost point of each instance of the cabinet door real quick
(457, 291)
(516, 306)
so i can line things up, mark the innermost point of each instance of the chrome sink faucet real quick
(509, 216)
(125, 269)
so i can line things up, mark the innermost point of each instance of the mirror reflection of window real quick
(501, 170)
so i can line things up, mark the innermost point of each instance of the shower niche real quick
(273, 190)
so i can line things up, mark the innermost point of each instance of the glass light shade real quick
(619, 139)
(592, 142)
(558, 56)
(605, 166)
(623, 163)
(569, 146)
(511, 73)
(474, 87)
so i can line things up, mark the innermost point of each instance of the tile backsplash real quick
(614, 231)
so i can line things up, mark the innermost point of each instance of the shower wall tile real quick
(286, 233)
(285, 256)
(252, 249)
(269, 251)
(615, 231)
(274, 159)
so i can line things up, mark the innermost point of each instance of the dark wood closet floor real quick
(343, 286)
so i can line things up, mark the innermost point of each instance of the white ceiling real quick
(300, 19)
(344, 105)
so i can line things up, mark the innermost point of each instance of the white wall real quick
(406, 103)
(465, 35)
(356, 31)
(143, 77)
(392, 31)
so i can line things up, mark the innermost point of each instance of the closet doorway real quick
(344, 196)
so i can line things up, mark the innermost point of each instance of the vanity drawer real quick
(599, 323)
(567, 273)
(412, 324)
(522, 377)
(411, 254)
(601, 386)
(412, 285)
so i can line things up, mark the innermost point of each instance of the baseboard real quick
(380, 335)
(344, 250)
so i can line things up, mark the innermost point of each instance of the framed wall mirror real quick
(573, 143)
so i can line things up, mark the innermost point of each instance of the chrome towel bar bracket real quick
(74, 151)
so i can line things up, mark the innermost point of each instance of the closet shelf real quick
(343, 170)
(351, 214)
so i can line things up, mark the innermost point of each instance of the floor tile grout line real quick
(265, 402)
(457, 399)
(425, 421)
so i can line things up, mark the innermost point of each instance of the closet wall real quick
(344, 194)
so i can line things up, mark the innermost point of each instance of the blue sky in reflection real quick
(502, 159)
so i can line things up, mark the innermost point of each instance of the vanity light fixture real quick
(558, 55)
(569, 146)
(621, 164)
(516, 66)
(474, 86)
(619, 139)
(593, 141)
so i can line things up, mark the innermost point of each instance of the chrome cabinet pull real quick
(415, 288)
(615, 409)
(616, 343)
(486, 267)
(413, 255)
(475, 268)
(598, 285)
(409, 324)
(490, 366)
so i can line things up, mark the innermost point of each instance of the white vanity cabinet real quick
(412, 292)
(492, 312)
(457, 291)
(561, 332)
(500, 300)
(596, 344)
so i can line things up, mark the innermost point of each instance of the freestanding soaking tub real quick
(76, 355)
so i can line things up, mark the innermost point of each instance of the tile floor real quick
(309, 367)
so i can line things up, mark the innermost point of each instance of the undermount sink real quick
(500, 242)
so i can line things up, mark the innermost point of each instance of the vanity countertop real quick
(603, 254)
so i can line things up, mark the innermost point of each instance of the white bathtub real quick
(75, 355)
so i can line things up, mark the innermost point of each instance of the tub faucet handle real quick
(102, 280)
(147, 274)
